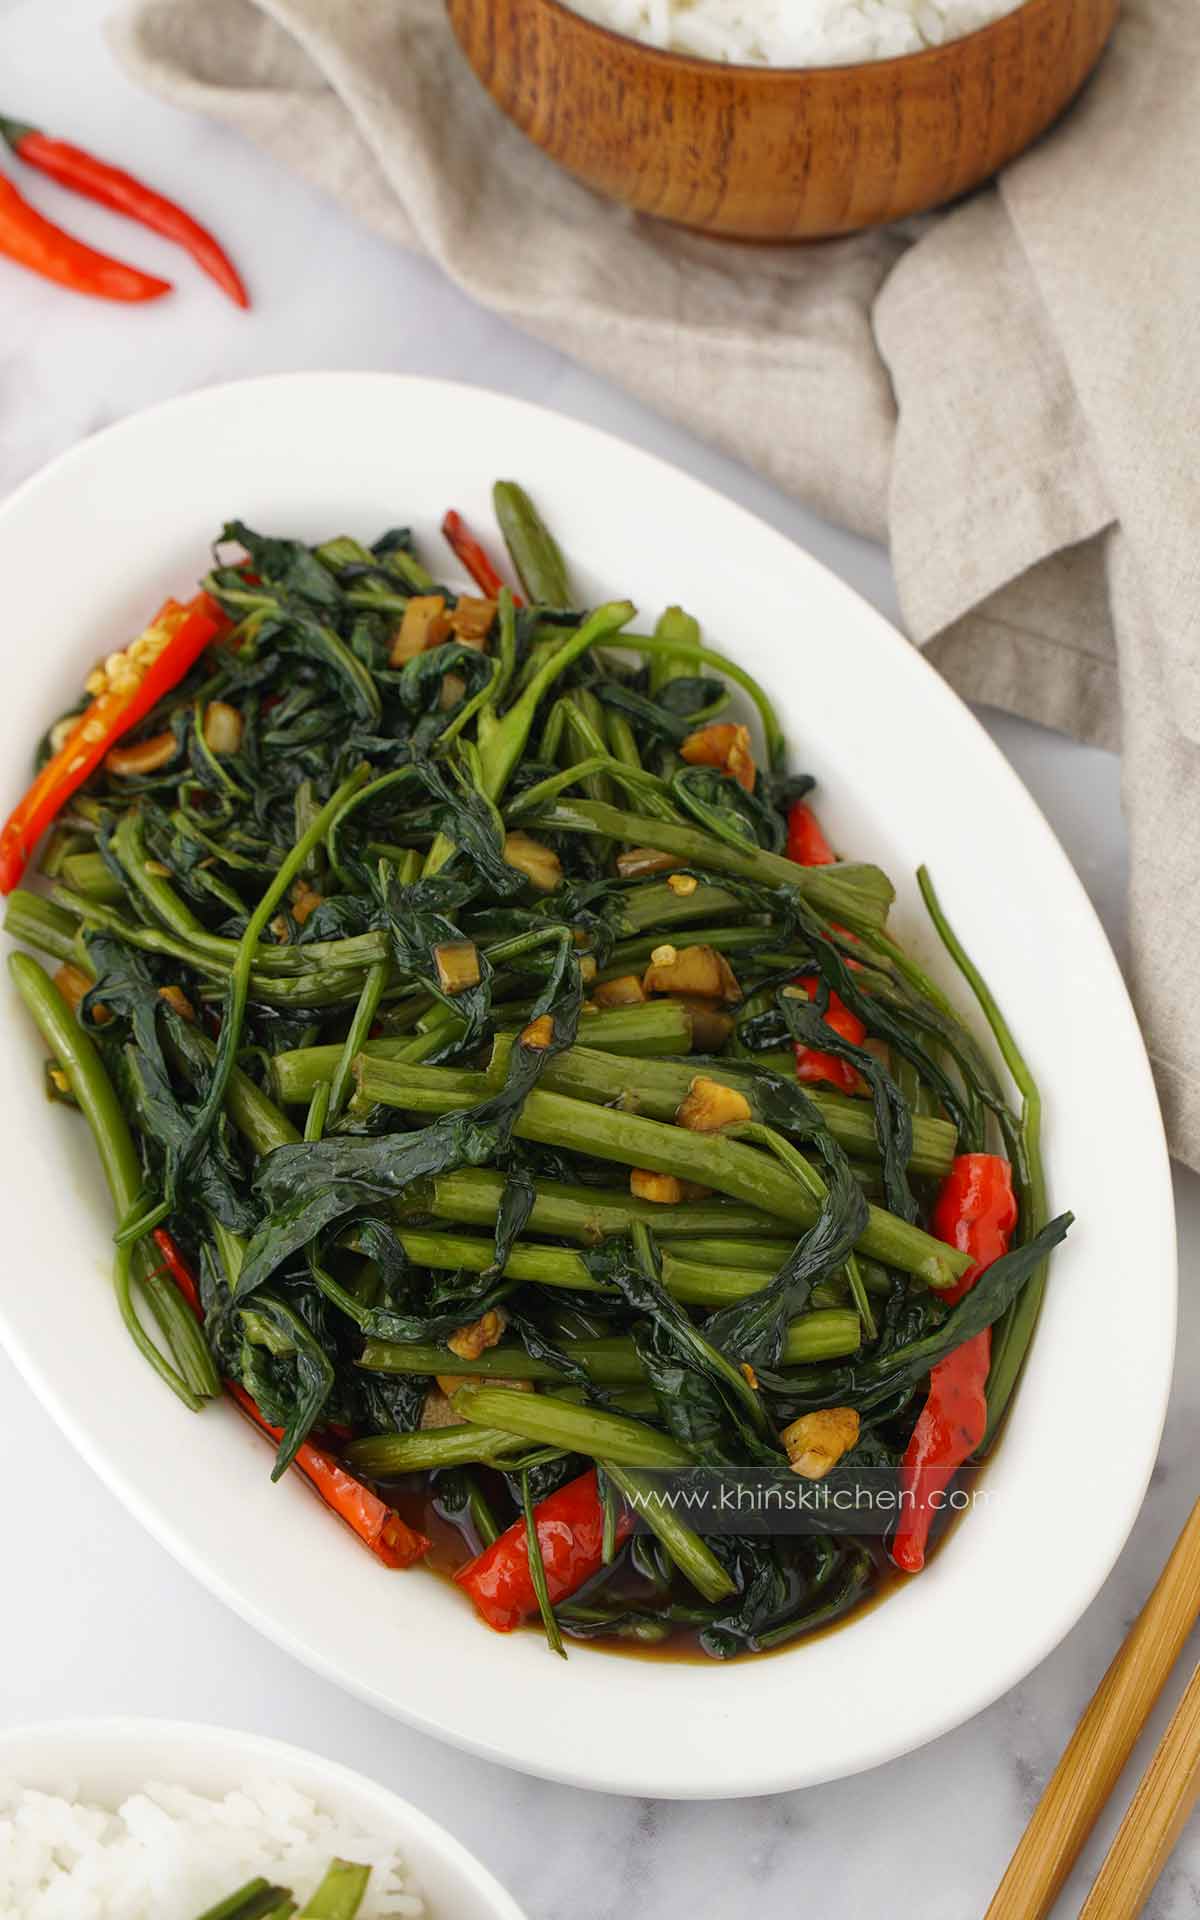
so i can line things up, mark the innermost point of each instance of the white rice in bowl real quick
(794, 33)
(167, 1854)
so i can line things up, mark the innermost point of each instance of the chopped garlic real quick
(425, 624)
(457, 964)
(817, 1441)
(708, 1106)
(539, 863)
(701, 970)
(539, 1034)
(664, 1188)
(146, 757)
(223, 727)
(470, 1341)
(626, 991)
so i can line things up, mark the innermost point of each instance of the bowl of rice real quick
(782, 120)
(156, 1820)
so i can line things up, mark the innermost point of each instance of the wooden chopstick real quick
(1104, 1739)
(1155, 1818)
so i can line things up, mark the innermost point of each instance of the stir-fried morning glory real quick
(508, 1099)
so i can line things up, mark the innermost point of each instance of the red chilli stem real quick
(470, 553)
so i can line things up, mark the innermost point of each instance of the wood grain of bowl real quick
(780, 153)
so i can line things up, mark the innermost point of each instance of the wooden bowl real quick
(780, 153)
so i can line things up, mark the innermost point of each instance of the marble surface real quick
(94, 1617)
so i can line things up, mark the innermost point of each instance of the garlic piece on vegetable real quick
(538, 862)
(663, 1188)
(700, 970)
(708, 1106)
(147, 756)
(470, 1341)
(667, 1189)
(539, 1034)
(817, 1441)
(626, 991)
(223, 727)
(457, 964)
(471, 620)
(425, 623)
(305, 901)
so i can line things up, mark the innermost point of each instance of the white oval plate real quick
(908, 775)
(104, 1761)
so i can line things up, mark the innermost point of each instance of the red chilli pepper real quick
(808, 847)
(97, 180)
(35, 242)
(975, 1212)
(806, 844)
(168, 649)
(570, 1531)
(377, 1525)
(815, 1067)
(469, 552)
(175, 1264)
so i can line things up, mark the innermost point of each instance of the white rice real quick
(794, 33)
(167, 1854)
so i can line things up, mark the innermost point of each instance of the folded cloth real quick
(1007, 391)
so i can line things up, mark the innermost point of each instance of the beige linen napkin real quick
(1007, 392)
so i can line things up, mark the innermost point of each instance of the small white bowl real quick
(103, 1761)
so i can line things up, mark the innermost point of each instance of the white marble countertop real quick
(94, 1617)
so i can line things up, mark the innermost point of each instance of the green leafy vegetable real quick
(434, 1021)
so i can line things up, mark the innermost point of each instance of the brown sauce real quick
(452, 1548)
